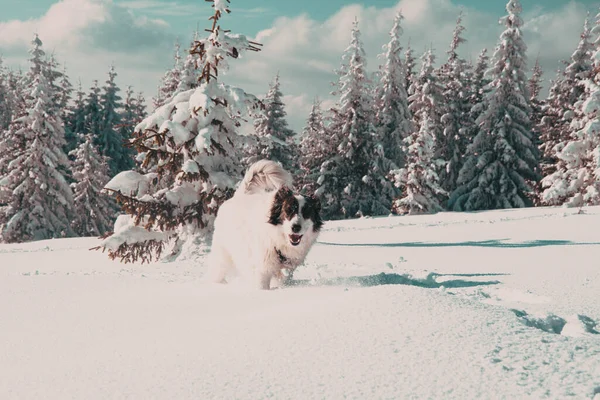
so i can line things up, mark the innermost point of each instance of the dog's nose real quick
(296, 228)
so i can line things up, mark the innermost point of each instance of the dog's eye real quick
(307, 212)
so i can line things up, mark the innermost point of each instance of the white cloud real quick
(90, 35)
(306, 51)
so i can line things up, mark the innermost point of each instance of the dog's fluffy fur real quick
(264, 229)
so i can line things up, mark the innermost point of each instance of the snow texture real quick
(490, 305)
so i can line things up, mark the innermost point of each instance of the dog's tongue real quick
(295, 238)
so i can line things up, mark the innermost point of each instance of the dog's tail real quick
(264, 176)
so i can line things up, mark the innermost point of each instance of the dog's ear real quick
(316, 206)
(277, 206)
(316, 203)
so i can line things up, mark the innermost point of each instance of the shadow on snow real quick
(498, 243)
(429, 282)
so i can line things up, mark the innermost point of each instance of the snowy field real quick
(486, 305)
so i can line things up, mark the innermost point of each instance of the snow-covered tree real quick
(190, 69)
(576, 181)
(190, 157)
(501, 162)
(109, 140)
(419, 179)
(93, 111)
(38, 200)
(65, 90)
(140, 107)
(353, 181)
(410, 63)
(94, 211)
(456, 120)
(170, 81)
(393, 118)
(537, 105)
(75, 122)
(565, 92)
(5, 104)
(315, 148)
(274, 137)
(479, 88)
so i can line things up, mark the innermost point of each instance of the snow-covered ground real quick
(485, 305)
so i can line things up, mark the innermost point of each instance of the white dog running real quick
(264, 228)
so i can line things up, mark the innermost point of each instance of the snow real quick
(500, 304)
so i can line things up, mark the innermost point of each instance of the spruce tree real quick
(65, 89)
(109, 140)
(315, 148)
(576, 181)
(190, 157)
(275, 138)
(190, 73)
(353, 181)
(93, 111)
(5, 98)
(456, 119)
(75, 124)
(419, 180)
(170, 81)
(94, 210)
(37, 198)
(565, 92)
(393, 118)
(478, 93)
(501, 162)
(410, 63)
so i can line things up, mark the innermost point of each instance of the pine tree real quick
(410, 63)
(93, 111)
(501, 162)
(5, 103)
(38, 201)
(170, 81)
(190, 73)
(275, 138)
(315, 148)
(94, 210)
(75, 123)
(456, 119)
(109, 140)
(65, 90)
(419, 179)
(576, 181)
(189, 153)
(393, 118)
(427, 97)
(566, 91)
(140, 107)
(479, 89)
(353, 181)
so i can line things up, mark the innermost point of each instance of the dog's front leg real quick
(265, 280)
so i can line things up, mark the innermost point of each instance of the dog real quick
(264, 230)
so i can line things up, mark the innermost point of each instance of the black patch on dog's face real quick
(312, 211)
(283, 206)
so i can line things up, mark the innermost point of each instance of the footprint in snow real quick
(573, 326)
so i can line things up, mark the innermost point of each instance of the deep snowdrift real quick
(485, 305)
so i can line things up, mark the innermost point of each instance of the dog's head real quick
(298, 215)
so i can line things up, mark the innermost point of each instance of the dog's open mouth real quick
(295, 239)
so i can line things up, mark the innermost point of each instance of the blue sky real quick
(303, 39)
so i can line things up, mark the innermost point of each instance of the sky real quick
(302, 40)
